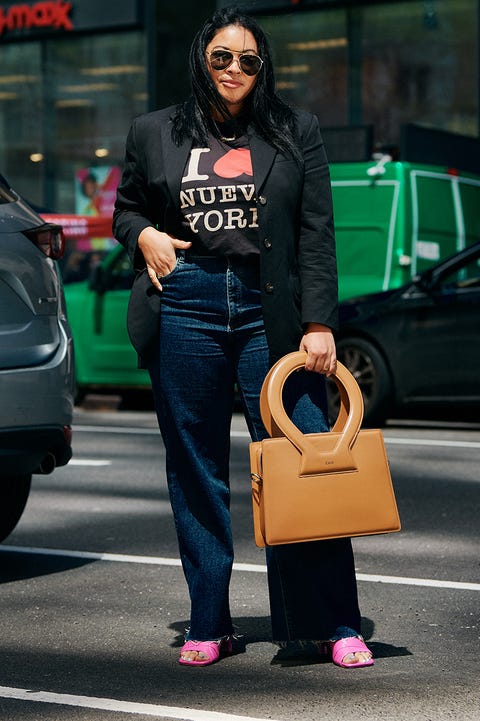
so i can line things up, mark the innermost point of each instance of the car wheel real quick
(14, 490)
(369, 369)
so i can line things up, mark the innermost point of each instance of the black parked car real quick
(418, 345)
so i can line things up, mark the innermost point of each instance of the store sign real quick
(53, 15)
(31, 20)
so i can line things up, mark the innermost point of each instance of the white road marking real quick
(244, 567)
(116, 429)
(88, 462)
(127, 707)
(245, 434)
(432, 442)
(429, 582)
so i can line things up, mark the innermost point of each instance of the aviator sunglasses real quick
(222, 59)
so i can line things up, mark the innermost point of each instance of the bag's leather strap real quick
(344, 432)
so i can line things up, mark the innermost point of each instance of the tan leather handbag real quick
(318, 485)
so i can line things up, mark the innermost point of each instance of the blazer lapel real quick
(263, 156)
(175, 161)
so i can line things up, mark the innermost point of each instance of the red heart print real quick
(236, 162)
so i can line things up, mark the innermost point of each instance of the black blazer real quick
(297, 247)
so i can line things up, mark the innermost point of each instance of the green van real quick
(97, 310)
(393, 220)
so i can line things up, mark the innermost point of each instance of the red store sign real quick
(52, 15)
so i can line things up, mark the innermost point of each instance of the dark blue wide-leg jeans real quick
(211, 337)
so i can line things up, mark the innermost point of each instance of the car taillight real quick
(67, 432)
(49, 238)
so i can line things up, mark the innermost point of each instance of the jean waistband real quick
(191, 256)
(187, 254)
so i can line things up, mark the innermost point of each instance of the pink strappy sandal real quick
(212, 650)
(345, 646)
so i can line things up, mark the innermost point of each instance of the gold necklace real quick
(223, 138)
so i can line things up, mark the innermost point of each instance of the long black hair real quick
(273, 119)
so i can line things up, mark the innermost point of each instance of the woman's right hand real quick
(158, 249)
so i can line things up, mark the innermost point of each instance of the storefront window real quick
(21, 118)
(101, 86)
(65, 107)
(310, 57)
(382, 64)
(420, 64)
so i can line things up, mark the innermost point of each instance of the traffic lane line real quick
(243, 567)
(393, 440)
(127, 707)
(88, 462)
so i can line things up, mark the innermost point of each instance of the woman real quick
(225, 210)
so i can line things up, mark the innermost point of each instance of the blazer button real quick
(262, 200)
(267, 243)
(269, 287)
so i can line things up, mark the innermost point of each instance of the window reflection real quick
(66, 104)
(310, 56)
(382, 64)
(420, 63)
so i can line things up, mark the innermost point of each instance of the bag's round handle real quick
(344, 431)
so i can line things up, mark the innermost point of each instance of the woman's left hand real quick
(319, 344)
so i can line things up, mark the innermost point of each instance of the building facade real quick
(74, 74)
(378, 64)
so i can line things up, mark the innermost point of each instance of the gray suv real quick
(36, 355)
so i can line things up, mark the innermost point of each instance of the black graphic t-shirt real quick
(217, 199)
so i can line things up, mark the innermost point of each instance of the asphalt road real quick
(93, 602)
